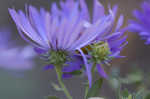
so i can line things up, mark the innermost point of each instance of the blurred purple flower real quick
(142, 24)
(69, 28)
(14, 57)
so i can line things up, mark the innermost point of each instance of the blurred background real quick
(36, 83)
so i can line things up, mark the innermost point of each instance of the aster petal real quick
(54, 10)
(23, 24)
(101, 71)
(136, 27)
(144, 34)
(116, 54)
(88, 67)
(67, 7)
(120, 22)
(116, 44)
(146, 8)
(54, 30)
(47, 67)
(147, 41)
(39, 50)
(71, 25)
(48, 29)
(61, 32)
(115, 10)
(114, 36)
(98, 11)
(141, 18)
(75, 35)
(73, 65)
(66, 76)
(92, 32)
(38, 23)
(84, 10)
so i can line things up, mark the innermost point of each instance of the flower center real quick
(58, 57)
(100, 51)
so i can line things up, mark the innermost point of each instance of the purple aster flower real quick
(13, 57)
(142, 24)
(58, 34)
(108, 45)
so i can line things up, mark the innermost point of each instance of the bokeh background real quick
(36, 83)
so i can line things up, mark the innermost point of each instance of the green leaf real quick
(139, 94)
(56, 87)
(115, 84)
(134, 77)
(94, 90)
(52, 97)
(125, 93)
(147, 96)
(77, 72)
(130, 96)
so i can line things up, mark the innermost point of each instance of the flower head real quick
(142, 24)
(13, 57)
(64, 30)
(107, 46)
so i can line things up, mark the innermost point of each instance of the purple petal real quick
(37, 21)
(101, 71)
(39, 50)
(73, 27)
(75, 34)
(84, 10)
(47, 67)
(73, 65)
(88, 67)
(92, 32)
(135, 27)
(54, 10)
(98, 11)
(119, 23)
(25, 26)
(66, 76)
(115, 10)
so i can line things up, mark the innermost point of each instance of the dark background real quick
(36, 83)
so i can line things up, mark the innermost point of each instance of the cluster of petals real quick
(142, 24)
(69, 27)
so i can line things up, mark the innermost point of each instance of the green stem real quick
(119, 91)
(86, 91)
(87, 86)
(93, 68)
(59, 76)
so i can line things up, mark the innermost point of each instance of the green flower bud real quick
(100, 52)
(58, 57)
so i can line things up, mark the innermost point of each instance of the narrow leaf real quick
(56, 87)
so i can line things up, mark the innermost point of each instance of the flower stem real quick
(59, 77)
(87, 86)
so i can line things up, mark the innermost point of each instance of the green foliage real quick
(52, 97)
(94, 90)
(138, 95)
(135, 78)
(147, 96)
(56, 87)
(77, 72)
(125, 93)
